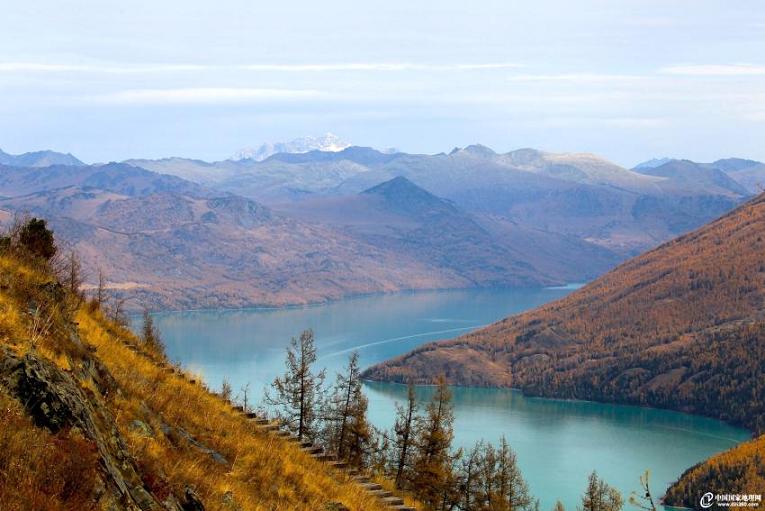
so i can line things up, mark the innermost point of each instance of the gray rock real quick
(141, 428)
(54, 400)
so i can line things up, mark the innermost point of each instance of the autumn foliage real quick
(679, 327)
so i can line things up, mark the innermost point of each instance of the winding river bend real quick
(558, 442)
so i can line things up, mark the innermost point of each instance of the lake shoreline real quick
(572, 286)
(571, 400)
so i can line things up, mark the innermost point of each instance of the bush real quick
(37, 239)
(40, 471)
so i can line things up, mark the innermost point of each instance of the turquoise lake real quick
(558, 442)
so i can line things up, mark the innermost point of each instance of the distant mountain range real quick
(301, 227)
(580, 195)
(38, 159)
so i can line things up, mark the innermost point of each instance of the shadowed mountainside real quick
(400, 216)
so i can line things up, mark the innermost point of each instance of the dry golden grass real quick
(38, 470)
(264, 472)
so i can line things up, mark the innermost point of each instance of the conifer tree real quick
(404, 434)
(470, 478)
(511, 489)
(360, 435)
(150, 334)
(347, 430)
(599, 496)
(433, 477)
(298, 393)
(644, 500)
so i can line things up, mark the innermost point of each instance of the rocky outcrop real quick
(55, 400)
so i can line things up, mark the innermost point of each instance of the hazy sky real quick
(629, 80)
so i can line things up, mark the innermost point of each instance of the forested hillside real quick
(739, 471)
(679, 327)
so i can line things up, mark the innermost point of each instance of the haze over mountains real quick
(310, 225)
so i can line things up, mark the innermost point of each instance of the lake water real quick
(558, 442)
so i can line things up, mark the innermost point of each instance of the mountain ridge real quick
(44, 158)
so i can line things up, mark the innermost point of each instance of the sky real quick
(628, 80)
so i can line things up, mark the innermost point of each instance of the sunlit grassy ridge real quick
(177, 434)
(265, 472)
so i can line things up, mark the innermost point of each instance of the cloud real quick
(35, 67)
(715, 70)
(38, 67)
(576, 78)
(211, 95)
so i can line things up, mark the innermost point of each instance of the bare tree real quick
(117, 312)
(244, 391)
(645, 500)
(101, 288)
(225, 390)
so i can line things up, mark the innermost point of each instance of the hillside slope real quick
(92, 418)
(679, 327)
(401, 217)
(173, 244)
(738, 471)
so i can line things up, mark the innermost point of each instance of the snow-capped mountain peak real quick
(328, 143)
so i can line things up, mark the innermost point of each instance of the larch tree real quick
(298, 393)
(360, 435)
(404, 433)
(150, 334)
(599, 496)
(644, 500)
(470, 478)
(512, 492)
(433, 476)
(347, 430)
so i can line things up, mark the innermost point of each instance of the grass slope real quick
(126, 432)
